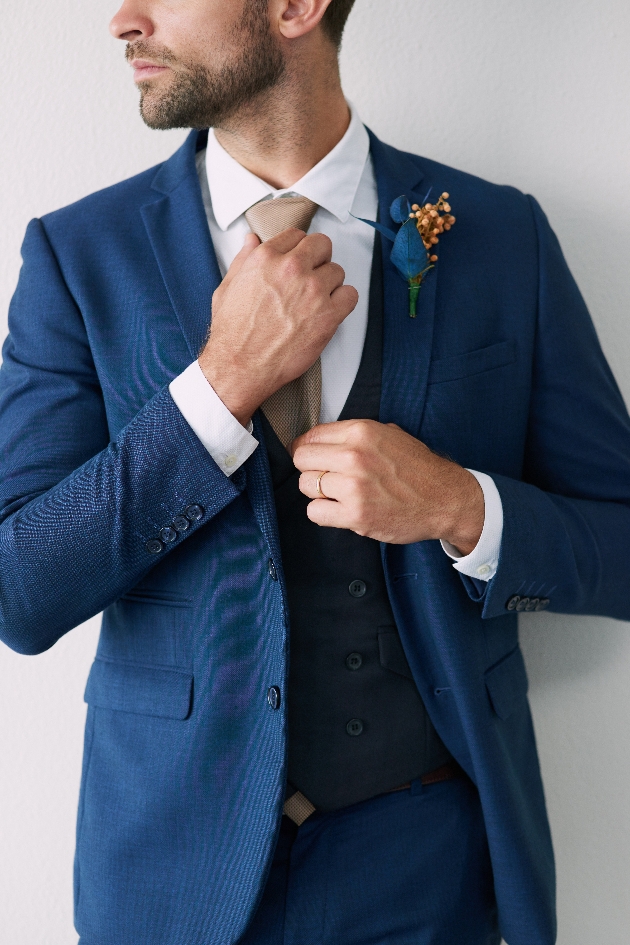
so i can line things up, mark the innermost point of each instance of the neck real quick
(280, 136)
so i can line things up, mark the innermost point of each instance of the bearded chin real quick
(196, 98)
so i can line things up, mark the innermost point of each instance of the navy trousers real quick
(407, 868)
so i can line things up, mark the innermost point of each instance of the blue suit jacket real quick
(184, 766)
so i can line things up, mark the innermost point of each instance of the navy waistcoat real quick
(357, 724)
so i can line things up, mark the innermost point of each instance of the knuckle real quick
(360, 432)
(338, 272)
(324, 241)
(353, 461)
(291, 266)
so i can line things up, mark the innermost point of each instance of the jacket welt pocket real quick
(472, 362)
(145, 690)
(391, 653)
(506, 683)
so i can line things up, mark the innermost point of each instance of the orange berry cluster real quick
(432, 220)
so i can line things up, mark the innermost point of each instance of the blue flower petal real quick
(409, 254)
(390, 234)
(400, 209)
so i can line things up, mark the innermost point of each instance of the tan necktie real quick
(294, 408)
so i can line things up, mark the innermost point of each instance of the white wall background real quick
(530, 93)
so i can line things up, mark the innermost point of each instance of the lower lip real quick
(148, 72)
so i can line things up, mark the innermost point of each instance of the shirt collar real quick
(332, 184)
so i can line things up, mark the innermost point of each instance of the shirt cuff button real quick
(483, 570)
(230, 461)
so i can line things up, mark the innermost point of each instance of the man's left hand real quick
(387, 485)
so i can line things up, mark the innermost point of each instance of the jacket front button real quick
(181, 523)
(272, 570)
(354, 661)
(154, 546)
(354, 727)
(357, 588)
(274, 697)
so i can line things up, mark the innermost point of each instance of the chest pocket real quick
(472, 362)
(148, 626)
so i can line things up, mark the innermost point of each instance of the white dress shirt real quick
(343, 186)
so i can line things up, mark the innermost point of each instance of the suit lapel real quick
(178, 232)
(406, 341)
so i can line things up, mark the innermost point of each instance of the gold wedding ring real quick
(319, 485)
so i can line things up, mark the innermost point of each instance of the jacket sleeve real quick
(76, 510)
(566, 530)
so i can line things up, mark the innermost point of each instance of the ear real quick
(298, 17)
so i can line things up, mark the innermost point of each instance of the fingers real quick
(250, 244)
(286, 241)
(345, 300)
(328, 514)
(315, 250)
(336, 433)
(334, 457)
(331, 484)
(331, 276)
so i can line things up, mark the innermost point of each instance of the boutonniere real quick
(413, 253)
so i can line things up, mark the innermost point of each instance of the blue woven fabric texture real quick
(360, 875)
(184, 767)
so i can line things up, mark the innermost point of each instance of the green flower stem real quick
(414, 289)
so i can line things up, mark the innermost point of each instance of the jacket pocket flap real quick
(146, 690)
(506, 683)
(473, 362)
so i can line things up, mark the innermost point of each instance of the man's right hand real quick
(272, 316)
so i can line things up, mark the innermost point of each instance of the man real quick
(383, 493)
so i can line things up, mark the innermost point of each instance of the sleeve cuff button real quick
(194, 513)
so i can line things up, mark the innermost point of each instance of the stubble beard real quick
(199, 97)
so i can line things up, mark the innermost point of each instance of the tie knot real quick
(267, 218)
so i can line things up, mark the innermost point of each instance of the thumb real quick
(250, 244)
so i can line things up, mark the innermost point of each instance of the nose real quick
(132, 22)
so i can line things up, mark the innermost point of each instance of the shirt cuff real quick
(483, 560)
(227, 441)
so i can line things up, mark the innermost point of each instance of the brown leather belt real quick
(298, 808)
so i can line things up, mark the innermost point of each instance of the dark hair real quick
(334, 19)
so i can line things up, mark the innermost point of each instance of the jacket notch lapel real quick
(407, 342)
(178, 231)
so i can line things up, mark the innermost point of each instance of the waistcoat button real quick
(273, 697)
(272, 569)
(354, 661)
(357, 588)
(354, 727)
